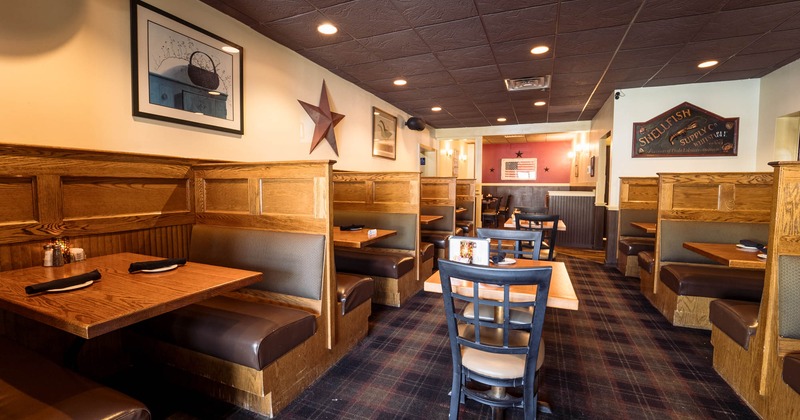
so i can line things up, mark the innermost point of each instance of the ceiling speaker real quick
(416, 123)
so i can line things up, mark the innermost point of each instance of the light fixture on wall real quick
(462, 157)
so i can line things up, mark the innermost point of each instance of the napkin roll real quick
(154, 265)
(62, 283)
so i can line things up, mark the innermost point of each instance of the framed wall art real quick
(184, 74)
(384, 134)
(686, 130)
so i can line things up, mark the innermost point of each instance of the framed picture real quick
(384, 134)
(184, 74)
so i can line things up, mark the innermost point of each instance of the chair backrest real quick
(494, 206)
(532, 238)
(499, 336)
(529, 221)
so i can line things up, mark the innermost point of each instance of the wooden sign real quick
(686, 130)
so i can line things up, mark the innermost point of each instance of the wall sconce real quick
(462, 157)
(448, 152)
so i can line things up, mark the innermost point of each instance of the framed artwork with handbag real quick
(184, 74)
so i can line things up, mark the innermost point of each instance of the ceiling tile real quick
(677, 8)
(774, 41)
(426, 12)
(563, 117)
(748, 21)
(466, 57)
(365, 18)
(527, 69)
(755, 61)
(223, 7)
(476, 74)
(263, 12)
(684, 68)
(667, 81)
(395, 44)
(453, 35)
(664, 32)
(342, 54)
(398, 67)
(299, 32)
(644, 57)
(723, 76)
(520, 50)
(321, 4)
(639, 73)
(582, 15)
(493, 6)
(717, 49)
(742, 4)
(521, 24)
(582, 63)
(587, 42)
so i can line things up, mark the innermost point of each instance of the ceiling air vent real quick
(528, 83)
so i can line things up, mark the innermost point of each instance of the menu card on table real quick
(469, 250)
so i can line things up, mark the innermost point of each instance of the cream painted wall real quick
(67, 79)
(778, 99)
(727, 99)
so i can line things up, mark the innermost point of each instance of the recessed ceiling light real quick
(436, 109)
(501, 119)
(539, 103)
(541, 49)
(709, 63)
(327, 29)
(229, 49)
(400, 82)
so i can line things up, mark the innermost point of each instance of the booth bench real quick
(638, 202)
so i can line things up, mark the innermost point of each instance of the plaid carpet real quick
(616, 357)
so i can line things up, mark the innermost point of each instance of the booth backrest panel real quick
(390, 192)
(447, 221)
(637, 215)
(672, 235)
(638, 193)
(465, 198)
(716, 197)
(292, 263)
(404, 224)
(438, 191)
(104, 202)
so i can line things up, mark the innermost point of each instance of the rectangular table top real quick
(562, 294)
(118, 299)
(648, 227)
(728, 254)
(427, 218)
(358, 238)
(562, 227)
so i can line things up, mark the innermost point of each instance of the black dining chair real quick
(492, 213)
(529, 221)
(515, 238)
(506, 356)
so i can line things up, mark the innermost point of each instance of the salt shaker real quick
(48, 255)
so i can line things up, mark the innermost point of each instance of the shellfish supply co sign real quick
(686, 130)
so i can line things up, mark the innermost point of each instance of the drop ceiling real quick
(457, 53)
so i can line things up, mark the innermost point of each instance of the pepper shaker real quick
(58, 256)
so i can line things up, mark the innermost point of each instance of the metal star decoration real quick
(491, 169)
(324, 120)
(546, 169)
(519, 153)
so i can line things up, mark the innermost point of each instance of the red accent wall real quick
(551, 155)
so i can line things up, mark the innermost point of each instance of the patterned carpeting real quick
(614, 358)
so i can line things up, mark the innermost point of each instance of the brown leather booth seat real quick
(714, 282)
(373, 264)
(647, 260)
(466, 226)
(32, 387)
(633, 245)
(247, 333)
(791, 371)
(439, 240)
(426, 251)
(738, 319)
(353, 290)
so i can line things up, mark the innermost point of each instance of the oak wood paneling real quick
(17, 200)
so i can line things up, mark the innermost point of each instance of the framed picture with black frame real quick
(184, 74)
(384, 134)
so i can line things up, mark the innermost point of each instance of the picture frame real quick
(384, 134)
(184, 74)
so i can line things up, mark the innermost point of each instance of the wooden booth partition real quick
(638, 209)
(756, 373)
(465, 205)
(705, 207)
(384, 200)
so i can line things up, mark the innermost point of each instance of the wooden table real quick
(728, 254)
(358, 238)
(562, 294)
(460, 210)
(562, 227)
(427, 218)
(118, 299)
(645, 226)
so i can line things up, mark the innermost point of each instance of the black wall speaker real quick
(416, 123)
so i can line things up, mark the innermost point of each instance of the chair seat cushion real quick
(426, 251)
(373, 264)
(737, 319)
(353, 290)
(791, 371)
(438, 240)
(247, 333)
(466, 225)
(500, 366)
(646, 260)
(632, 245)
(32, 387)
(715, 282)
